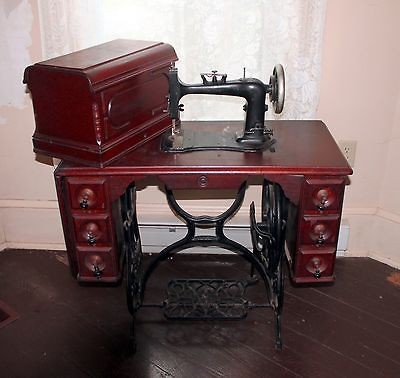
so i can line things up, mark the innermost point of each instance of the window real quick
(225, 35)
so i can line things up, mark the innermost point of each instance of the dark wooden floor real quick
(349, 329)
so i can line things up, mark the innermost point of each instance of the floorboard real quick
(348, 329)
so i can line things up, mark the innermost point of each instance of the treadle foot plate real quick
(193, 299)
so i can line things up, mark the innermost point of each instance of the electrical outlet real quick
(348, 148)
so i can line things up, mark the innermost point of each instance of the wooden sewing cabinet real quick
(306, 171)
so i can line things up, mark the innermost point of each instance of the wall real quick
(387, 222)
(360, 94)
(2, 236)
(360, 100)
(28, 208)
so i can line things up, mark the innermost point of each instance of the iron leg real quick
(132, 346)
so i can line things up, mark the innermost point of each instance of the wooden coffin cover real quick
(95, 105)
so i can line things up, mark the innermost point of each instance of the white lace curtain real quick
(226, 35)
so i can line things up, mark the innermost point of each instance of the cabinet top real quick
(302, 148)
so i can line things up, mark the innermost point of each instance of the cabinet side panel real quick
(63, 204)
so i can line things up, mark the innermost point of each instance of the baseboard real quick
(388, 215)
(34, 246)
(30, 226)
(385, 260)
(156, 237)
(385, 248)
(41, 225)
(36, 225)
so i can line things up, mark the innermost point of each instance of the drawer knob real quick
(320, 233)
(317, 273)
(86, 198)
(324, 198)
(91, 232)
(95, 264)
(97, 271)
(91, 239)
(316, 267)
(84, 203)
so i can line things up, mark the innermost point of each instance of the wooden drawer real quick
(87, 193)
(323, 195)
(203, 181)
(319, 231)
(92, 230)
(97, 264)
(315, 264)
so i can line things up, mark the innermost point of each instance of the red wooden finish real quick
(306, 163)
(97, 104)
(302, 147)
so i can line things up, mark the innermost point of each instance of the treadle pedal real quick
(218, 299)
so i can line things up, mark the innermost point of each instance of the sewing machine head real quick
(255, 135)
(96, 105)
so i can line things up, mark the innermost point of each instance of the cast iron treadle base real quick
(193, 299)
(215, 298)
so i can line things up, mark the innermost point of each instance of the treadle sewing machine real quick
(111, 112)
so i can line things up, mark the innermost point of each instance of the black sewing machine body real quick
(255, 135)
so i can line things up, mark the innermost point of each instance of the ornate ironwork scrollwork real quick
(206, 299)
(268, 237)
(133, 256)
(204, 221)
(133, 250)
(212, 298)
